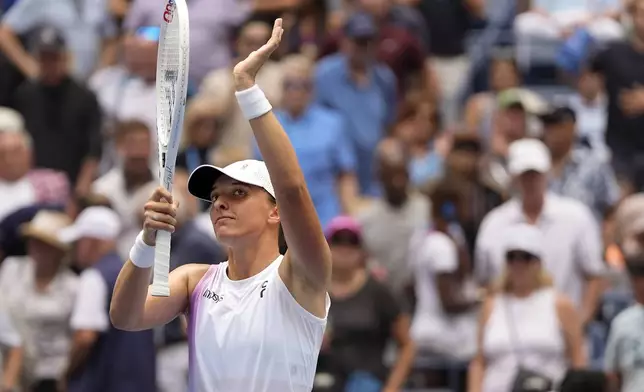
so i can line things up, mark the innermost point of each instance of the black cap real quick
(49, 39)
(557, 115)
(360, 26)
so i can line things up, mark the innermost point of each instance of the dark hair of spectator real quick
(128, 127)
(449, 191)
(254, 18)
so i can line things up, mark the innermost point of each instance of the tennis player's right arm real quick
(132, 308)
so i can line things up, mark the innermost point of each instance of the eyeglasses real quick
(520, 256)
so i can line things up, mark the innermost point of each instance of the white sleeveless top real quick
(525, 329)
(251, 335)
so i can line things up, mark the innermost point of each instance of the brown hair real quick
(129, 127)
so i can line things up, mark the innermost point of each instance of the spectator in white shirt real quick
(527, 326)
(103, 358)
(130, 175)
(10, 342)
(40, 291)
(572, 246)
(444, 321)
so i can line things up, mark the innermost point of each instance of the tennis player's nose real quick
(220, 204)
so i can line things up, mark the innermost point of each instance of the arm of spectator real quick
(483, 269)
(89, 167)
(474, 113)
(476, 370)
(572, 331)
(12, 365)
(345, 166)
(442, 253)
(611, 358)
(400, 323)
(89, 318)
(588, 252)
(23, 17)
(610, 192)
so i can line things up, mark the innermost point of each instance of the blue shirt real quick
(625, 348)
(368, 110)
(323, 151)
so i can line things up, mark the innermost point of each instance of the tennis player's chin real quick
(223, 226)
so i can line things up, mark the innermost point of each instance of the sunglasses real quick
(520, 256)
(345, 237)
(301, 85)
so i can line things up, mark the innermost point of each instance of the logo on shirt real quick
(212, 296)
(261, 293)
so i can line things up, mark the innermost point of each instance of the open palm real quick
(245, 72)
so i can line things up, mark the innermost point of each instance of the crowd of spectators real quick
(477, 166)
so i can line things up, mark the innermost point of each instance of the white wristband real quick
(142, 254)
(253, 102)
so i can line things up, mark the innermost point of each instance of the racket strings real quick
(170, 62)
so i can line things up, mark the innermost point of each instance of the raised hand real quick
(245, 72)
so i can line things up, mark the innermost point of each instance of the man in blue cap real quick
(362, 90)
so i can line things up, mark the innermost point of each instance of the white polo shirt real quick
(572, 243)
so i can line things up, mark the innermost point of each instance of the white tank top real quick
(538, 341)
(251, 335)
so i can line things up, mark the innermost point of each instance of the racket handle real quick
(160, 284)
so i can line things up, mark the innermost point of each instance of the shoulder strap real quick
(512, 330)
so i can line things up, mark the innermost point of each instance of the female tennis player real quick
(256, 321)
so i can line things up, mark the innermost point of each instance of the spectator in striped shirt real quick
(577, 172)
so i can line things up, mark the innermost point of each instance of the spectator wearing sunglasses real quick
(572, 251)
(364, 317)
(526, 325)
(624, 360)
(320, 139)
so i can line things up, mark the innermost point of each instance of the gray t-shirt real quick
(625, 348)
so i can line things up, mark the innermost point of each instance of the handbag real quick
(526, 380)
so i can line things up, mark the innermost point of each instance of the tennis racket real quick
(171, 89)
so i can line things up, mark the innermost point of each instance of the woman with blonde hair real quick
(528, 335)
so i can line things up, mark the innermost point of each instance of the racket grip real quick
(160, 283)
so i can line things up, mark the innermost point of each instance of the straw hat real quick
(45, 227)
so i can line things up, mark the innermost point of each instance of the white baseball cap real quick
(526, 238)
(248, 171)
(100, 223)
(528, 155)
(11, 121)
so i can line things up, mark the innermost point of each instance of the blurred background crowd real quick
(476, 164)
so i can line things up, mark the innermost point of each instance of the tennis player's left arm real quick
(307, 264)
(308, 254)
